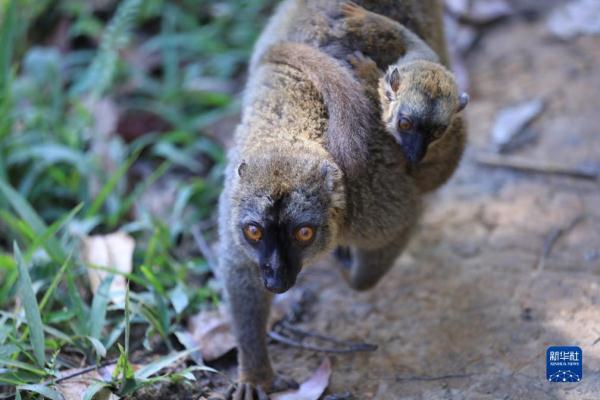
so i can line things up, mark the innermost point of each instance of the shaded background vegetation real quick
(107, 112)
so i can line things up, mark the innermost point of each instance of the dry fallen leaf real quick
(490, 10)
(480, 12)
(457, 6)
(210, 330)
(575, 18)
(511, 121)
(113, 251)
(312, 388)
(134, 124)
(74, 388)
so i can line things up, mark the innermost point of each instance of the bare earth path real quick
(469, 310)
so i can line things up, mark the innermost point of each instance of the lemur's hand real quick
(365, 68)
(352, 19)
(352, 10)
(249, 391)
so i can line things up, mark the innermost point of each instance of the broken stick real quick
(543, 167)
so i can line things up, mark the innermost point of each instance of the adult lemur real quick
(313, 169)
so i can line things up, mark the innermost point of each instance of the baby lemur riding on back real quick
(419, 97)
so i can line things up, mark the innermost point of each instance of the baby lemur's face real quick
(419, 101)
(287, 214)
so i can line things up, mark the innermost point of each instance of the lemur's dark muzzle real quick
(413, 146)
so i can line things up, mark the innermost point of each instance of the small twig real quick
(84, 371)
(553, 237)
(353, 348)
(543, 167)
(204, 248)
(466, 19)
(300, 332)
(358, 347)
(431, 378)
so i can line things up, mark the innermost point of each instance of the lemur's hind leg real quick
(362, 269)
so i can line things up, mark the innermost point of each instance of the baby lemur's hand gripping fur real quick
(288, 198)
(419, 97)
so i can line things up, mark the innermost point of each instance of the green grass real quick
(66, 69)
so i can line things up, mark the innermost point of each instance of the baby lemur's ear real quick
(463, 100)
(392, 78)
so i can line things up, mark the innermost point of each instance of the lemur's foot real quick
(249, 391)
(352, 10)
(360, 61)
(252, 391)
(351, 22)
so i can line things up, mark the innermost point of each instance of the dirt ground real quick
(470, 308)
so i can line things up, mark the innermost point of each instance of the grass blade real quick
(137, 192)
(52, 230)
(21, 365)
(7, 40)
(6, 45)
(100, 73)
(10, 274)
(148, 370)
(93, 390)
(108, 188)
(43, 390)
(127, 318)
(28, 214)
(32, 311)
(45, 301)
(99, 306)
(54, 283)
(76, 303)
(98, 347)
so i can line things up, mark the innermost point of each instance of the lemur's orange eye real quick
(304, 234)
(404, 124)
(253, 233)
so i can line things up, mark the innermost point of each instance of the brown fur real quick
(349, 111)
(420, 82)
(282, 148)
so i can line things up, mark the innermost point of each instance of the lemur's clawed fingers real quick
(356, 58)
(352, 10)
(248, 391)
(365, 67)
(251, 391)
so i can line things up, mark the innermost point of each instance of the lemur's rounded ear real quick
(392, 77)
(241, 169)
(463, 100)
